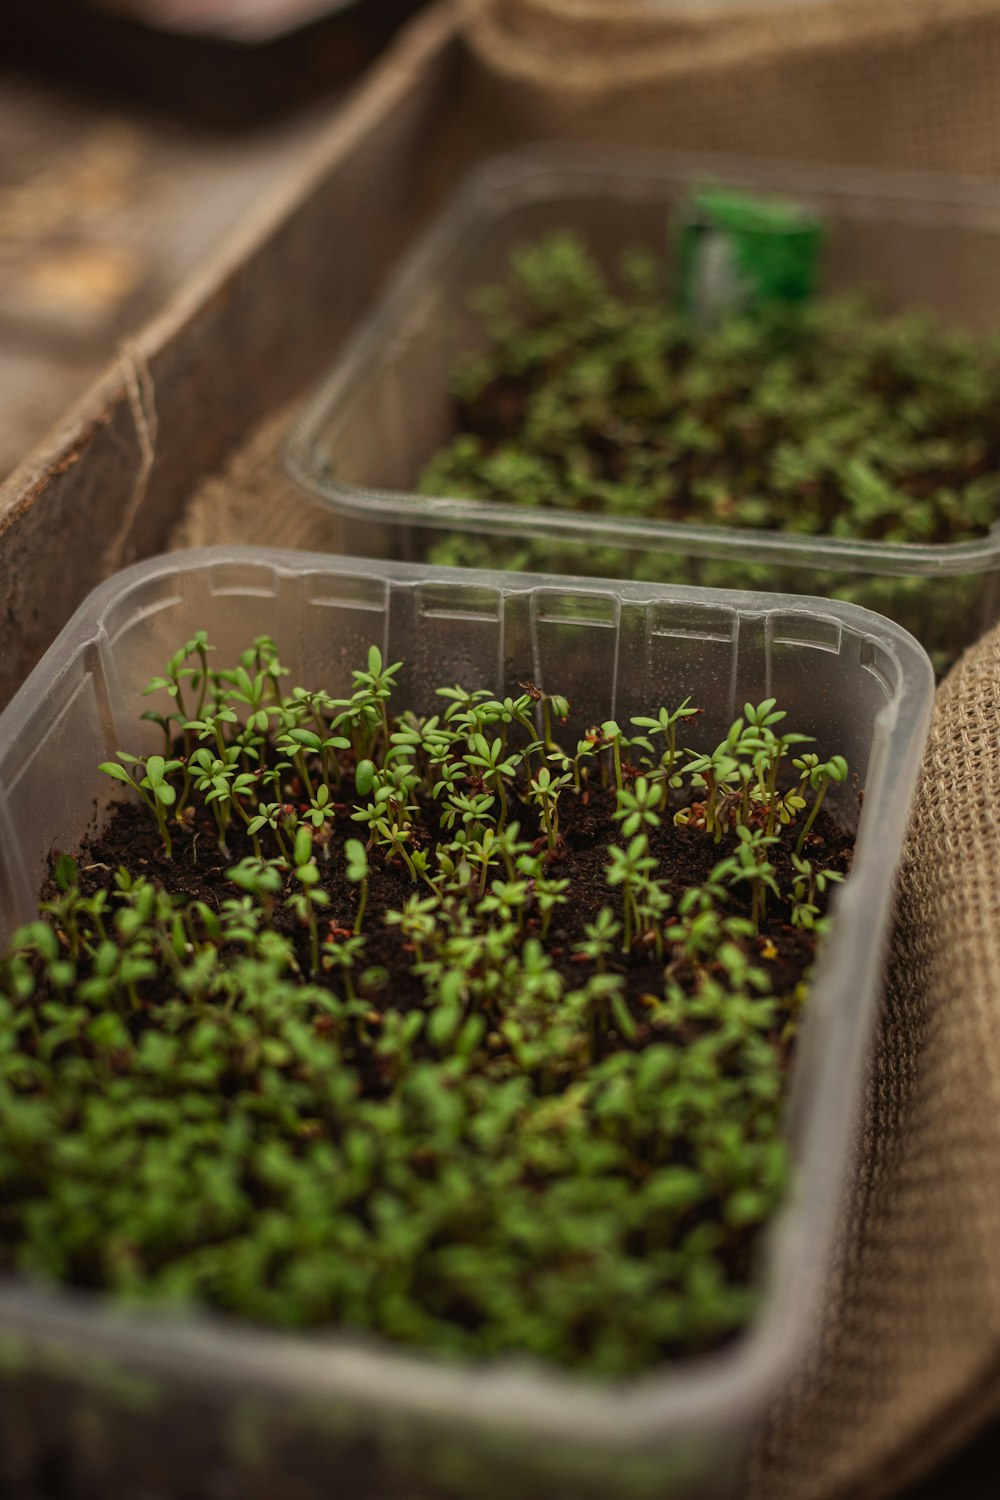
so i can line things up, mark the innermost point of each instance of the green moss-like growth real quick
(593, 394)
(455, 1028)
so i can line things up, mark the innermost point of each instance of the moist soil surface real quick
(685, 856)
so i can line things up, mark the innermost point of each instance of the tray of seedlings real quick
(435, 1006)
(687, 371)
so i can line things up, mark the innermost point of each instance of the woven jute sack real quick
(907, 1356)
(897, 83)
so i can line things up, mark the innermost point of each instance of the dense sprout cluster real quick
(399, 1023)
(594, 394)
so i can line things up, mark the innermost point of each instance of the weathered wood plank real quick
(257, 324)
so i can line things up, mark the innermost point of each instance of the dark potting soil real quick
(685, 856)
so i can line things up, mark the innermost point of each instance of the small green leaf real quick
(116, 772)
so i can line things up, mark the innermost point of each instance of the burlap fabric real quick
(898, 83)
(908, 1358)
(252, 501)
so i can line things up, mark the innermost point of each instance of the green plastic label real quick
(741, 251)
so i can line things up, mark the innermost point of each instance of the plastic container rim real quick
(528, 174)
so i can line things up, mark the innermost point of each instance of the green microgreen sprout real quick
(357, 871)
(665, 724)
(637, 807)
(374, 687)
(749, 862)
(153, 786)
(545, 791)
(175, 676)
(820, 777)
(627, 868)
(489, 760)
(713, 771)
(276, 816)
(601, 939)
(611, 734)
(305, 901)
(808, 885)
(258, 878)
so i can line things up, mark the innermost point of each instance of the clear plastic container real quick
(383, 411)
(98, 1401)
